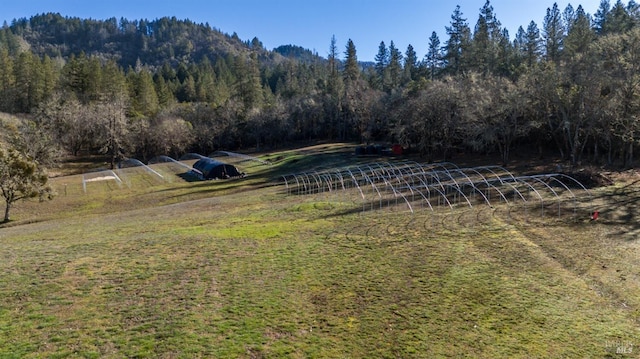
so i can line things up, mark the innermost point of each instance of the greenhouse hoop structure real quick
(100, 176)
(414, 186)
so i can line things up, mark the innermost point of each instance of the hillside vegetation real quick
(170, 268)
(142, 88)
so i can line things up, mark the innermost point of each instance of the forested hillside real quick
(142, 88)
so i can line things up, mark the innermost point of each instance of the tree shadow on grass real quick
(621, 208)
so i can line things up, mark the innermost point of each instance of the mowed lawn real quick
(241, 270)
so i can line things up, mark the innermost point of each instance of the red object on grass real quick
(594, 215)
(396, 149)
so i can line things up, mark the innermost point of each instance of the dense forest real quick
(569, 87)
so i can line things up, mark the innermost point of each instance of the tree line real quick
(167, 86)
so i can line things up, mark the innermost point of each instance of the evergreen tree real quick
(520, 40)
(34, 81)
(381, 63)
(381, 58)
(553, 33)
(601, 17)
(580, 35)
(187, 91)
(25, 75)
(506, 60)
(7, 82)
(75, 78)
(164, 93)
(352, 92)
(486, 37)
(167, 72)
(458, 44)
(256, 44)
(633, 9)
(51, 75)
(351, 67)
(395, 67)
(532, 44)
(519, 48)
(335, 87)
(410, 64)
(248, 89)
(113, 82)
(206, 87)
(9, 41)
(569, 17)
(333, 65)
(142, 92)
(206, 83)
(92, 71)
(224, 78)
(256, 96)
(182, 72)
(618, 20)
(434, 57)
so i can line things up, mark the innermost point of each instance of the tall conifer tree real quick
(7, 82)
(410, 64)
(553, 34)
(580, 34)
(381, 63)
(395, 67)
(619, 20)
(434, 57)
(458, 43)
(532, 46)
(601, 16)
(351, 67)
(486, 37)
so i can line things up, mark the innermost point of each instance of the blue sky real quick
(309, 23)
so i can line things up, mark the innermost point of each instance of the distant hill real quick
(151, 42)
(297, 52)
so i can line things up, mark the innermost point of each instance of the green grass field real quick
(238, 269)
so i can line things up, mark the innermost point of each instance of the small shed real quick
(211, 169)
